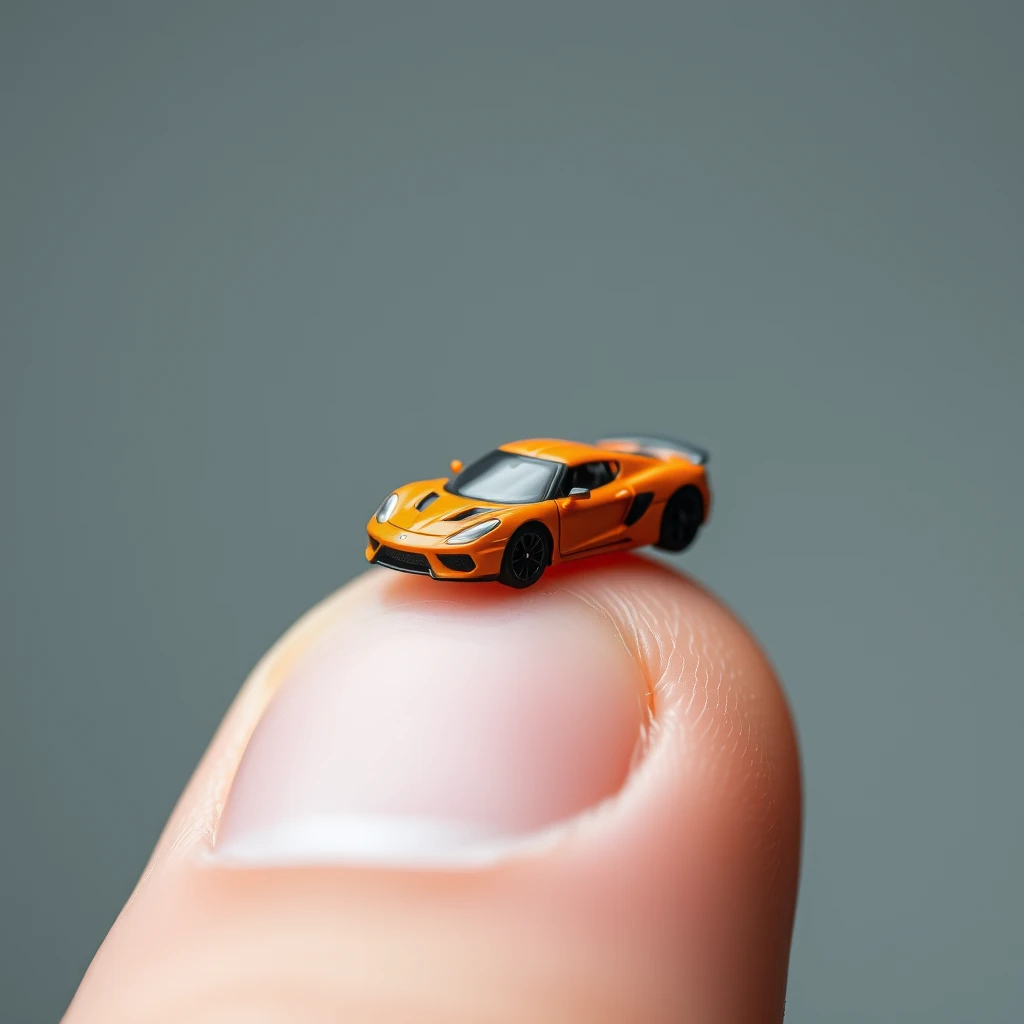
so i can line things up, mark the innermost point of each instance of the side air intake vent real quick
(426, 501)
(465, 514)
(641, 503)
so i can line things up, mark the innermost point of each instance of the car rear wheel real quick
(526, 556)
(683, 515)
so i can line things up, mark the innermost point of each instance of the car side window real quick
(589, 475)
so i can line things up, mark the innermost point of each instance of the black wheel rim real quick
(684, 523)
(527, 558)
(678, 531)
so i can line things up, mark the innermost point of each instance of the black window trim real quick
(556, 485)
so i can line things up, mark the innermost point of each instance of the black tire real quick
(527, 554)
(682, 518)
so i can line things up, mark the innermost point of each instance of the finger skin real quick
(672, 901)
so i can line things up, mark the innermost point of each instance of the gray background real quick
(259, 262)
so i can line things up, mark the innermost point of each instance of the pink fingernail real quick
(436, 736)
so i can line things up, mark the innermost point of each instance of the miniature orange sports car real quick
(531, 504)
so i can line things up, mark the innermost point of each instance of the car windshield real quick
(505, 478)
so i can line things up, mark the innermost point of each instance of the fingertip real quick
(373, 785)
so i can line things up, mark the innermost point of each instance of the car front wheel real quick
(526, 556)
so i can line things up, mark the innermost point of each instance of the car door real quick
(597, 520)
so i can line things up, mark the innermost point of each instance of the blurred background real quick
(261, 261)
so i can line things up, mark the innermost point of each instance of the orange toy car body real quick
(531, 504)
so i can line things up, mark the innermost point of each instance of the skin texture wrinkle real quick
(615, 743)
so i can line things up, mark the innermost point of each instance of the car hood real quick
(436, 517)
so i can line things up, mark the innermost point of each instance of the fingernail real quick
(437, 735)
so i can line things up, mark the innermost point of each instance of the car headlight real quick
(387, 508)
(474, 532)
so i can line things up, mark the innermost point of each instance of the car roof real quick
(570, 452)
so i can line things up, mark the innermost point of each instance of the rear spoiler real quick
(647, 445)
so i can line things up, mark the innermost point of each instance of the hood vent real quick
(426, 501)
(466, 513)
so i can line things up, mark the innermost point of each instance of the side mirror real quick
(456, 465)
(579, 493)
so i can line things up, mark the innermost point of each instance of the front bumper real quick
(425, 555)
